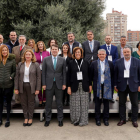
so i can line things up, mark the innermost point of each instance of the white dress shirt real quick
(127, 66)
(102, 63)
(26, 73)
(92, 44)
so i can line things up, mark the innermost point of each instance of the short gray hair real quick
(22, 36)
(89, 31)
(102, 50)
(127, 48)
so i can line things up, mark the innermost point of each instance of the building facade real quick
(116, 25)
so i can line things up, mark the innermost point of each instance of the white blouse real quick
(26, 73)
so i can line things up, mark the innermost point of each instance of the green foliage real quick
(45, 19)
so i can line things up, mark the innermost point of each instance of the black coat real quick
(67, 63)
(72, 75)
(94, 74)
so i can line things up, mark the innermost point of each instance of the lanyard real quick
(80, 64)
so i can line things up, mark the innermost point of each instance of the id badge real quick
(92, 58)
(79, 75)
(126, 73)
(110, 57)
(102, 78)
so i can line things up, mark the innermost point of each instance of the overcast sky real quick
(131, 8)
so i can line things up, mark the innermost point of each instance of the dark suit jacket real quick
(114, 52)
(67, 60)
(133, 80)
(94, 74)
(34, 77)
(119, 50)
(87, 51)
(48, 72)
(18, 53)
(72, 75)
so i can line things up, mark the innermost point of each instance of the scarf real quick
(107, 94)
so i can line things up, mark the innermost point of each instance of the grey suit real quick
(54, 87)
(27, 89)
(87, 51)
(119, 50)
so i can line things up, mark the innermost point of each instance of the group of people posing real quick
(70, 74)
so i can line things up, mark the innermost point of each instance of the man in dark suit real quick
(127, 80)
(18, 51)
(120, 47)
(90, 48)
(101, 73)
(13, 41)
(111, 50)
(54, 81)
(112, 54)
(71, 42)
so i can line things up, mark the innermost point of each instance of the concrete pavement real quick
(68, 132)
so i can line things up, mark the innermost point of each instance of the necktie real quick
(109, 48)
(20, 48)
(91, 45)
(54, 65)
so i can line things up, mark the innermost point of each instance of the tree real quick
(42, 20)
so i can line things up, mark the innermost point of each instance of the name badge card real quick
(79, 75)
(110, 57)
(102, 78)
(92, 58)
(126, 74)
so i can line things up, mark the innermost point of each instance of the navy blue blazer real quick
(133, 81)
(114, 52)
(94, 74)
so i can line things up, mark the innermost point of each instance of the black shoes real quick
(76, 124)
(25, 124)
(7, 124)
(47, 123)
(60, 123)
(98, 123)
(106, 123)
(43, 103)
(29, 124)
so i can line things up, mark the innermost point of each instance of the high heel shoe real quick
(25, 124)
(29, 124)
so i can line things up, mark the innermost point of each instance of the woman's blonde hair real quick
(33, 43)
(1, 47)
(36, 47)
(33, 56)
(75, 49)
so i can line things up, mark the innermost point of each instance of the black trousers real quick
(65, 96)
(49, 99)
(98, 103)
(8, 94)
(122, 104)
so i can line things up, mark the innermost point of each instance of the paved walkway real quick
(68, 132)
